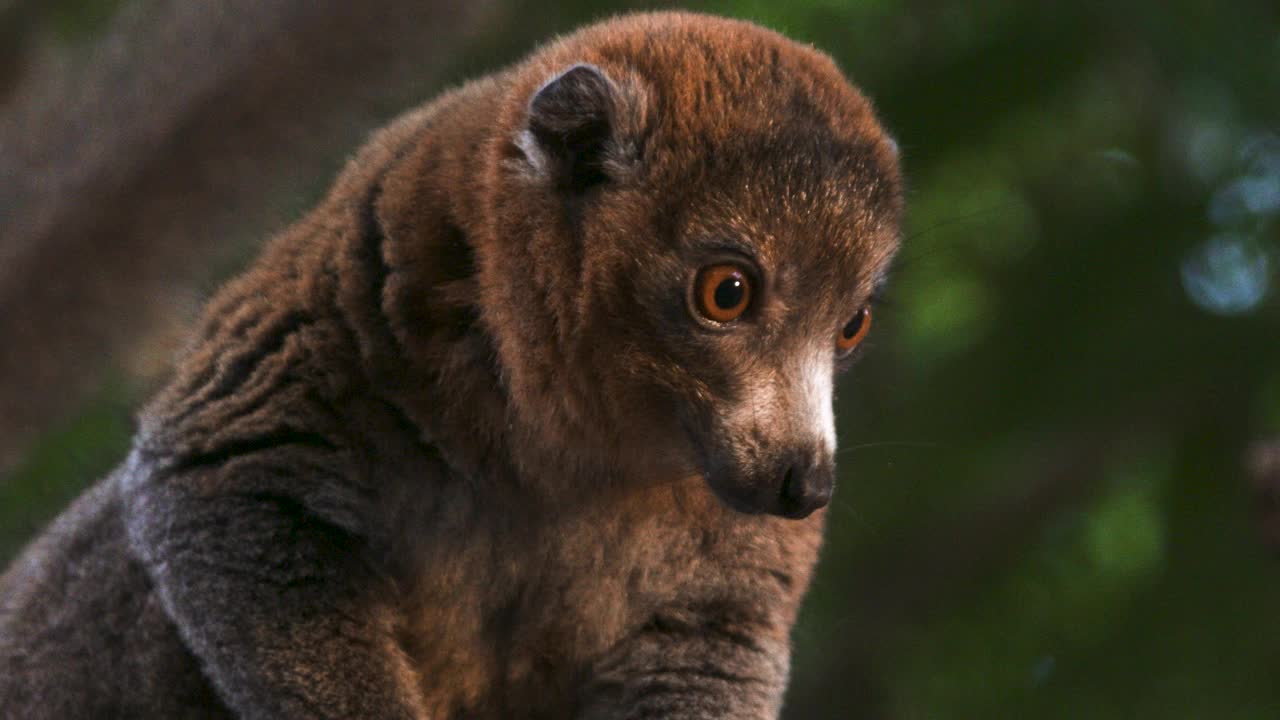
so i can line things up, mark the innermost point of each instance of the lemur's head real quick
(692, 218)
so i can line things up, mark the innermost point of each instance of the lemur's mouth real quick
(792, 488)
(793, 481)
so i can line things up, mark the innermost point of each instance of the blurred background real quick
(1060, 463)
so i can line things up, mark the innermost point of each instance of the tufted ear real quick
(575, 126)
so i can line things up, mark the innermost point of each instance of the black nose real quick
(806, 486)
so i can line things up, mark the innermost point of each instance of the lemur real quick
(530, 417)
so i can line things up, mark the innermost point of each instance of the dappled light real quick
(1228, 275)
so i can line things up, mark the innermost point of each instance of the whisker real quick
(914, 252)
(847, 508)
(947, 222)
(888, 443)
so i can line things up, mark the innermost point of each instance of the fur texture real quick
(458, 444)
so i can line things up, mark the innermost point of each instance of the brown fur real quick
(454, 448)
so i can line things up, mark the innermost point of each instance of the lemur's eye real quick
(853, 331)
(722, 292)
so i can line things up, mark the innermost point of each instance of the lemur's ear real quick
(578, 128)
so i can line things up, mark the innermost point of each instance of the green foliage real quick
(68, 457)
(78, 20)
(1084, 574)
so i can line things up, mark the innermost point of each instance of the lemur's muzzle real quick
(793, 486)
(806, 486)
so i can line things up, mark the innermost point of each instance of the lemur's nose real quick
(806, 486)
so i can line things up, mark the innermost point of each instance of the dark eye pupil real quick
(854, 325)
(729, 293)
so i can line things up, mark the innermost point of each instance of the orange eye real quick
(853, 331)
(722, 292)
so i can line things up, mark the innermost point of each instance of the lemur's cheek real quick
(736, 494)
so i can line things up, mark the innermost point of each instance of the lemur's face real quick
(742, 312)
(721, 282)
